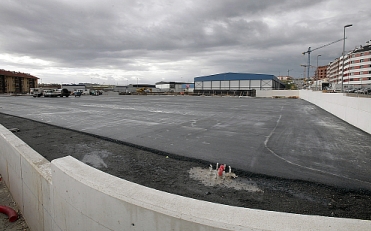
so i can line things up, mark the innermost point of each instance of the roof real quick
(235, 76)
(143, 85)
(17, 74)
(162, 82)
(362, 49)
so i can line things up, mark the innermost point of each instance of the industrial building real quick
(174, 86)
(13, 82)
(74, 87)
(133, 88)
(236, 83)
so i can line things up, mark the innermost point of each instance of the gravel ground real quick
(7, 200)
(191, 177)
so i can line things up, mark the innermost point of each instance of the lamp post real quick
(288, 72)
(317, 73)
(342, 69)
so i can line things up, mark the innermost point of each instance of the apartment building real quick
(16, 82)
(357, 68)
(321, 72)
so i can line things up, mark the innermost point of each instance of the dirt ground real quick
(190, 177)
(7, 200)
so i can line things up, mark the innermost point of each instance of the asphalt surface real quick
(288, 138)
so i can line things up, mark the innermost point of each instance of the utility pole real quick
(288, 72)
(316, 74)
(343, 54)
(305, 67)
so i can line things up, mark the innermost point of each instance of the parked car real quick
(77, 93)
(65, 92)
(51, 93)
(363, 91)
(349, 90)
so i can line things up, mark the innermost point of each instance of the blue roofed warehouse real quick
(236, 83)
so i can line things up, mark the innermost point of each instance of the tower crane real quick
(310, 50)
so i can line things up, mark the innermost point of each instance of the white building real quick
(174, 87)
(357, 69)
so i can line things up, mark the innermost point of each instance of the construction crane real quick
(305, 67)
(310, 50)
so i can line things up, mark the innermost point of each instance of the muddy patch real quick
(210, 178)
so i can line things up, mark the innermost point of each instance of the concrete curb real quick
(69, 195)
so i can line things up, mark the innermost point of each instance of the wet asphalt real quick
(288, 138)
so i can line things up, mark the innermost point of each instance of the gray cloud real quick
(155, 40)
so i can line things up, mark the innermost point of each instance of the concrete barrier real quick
(28, 177)
(353, 110)
(277, 93)
(70, 195)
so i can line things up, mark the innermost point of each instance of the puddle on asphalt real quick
(207, 177)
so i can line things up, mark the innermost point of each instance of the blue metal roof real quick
(235, 76)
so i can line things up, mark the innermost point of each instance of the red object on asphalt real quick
(12, 215)
(220, 170)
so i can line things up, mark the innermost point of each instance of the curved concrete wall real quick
(353, 110)
(69, 195)
(28, 177)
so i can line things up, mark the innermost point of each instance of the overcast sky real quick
(125, 41)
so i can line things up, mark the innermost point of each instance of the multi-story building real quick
(16, 82)
(321, 72)
(357, 68)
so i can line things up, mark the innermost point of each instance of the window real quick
(361, 60)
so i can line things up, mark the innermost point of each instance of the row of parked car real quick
(38, 92)
(366, 91)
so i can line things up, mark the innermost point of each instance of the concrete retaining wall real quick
(69, 195)
(277, 93)
(28, 177)
(354, 110)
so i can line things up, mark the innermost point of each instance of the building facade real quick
(174, 86)
(236, 83)
(357, 68)
(321, 72)
(12, 82)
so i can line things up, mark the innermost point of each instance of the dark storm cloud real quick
(147, 36)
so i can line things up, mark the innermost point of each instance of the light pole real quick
(288, 72)
(317, 73)
(342, 69)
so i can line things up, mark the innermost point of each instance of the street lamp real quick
(317, 73)
(288, 72)
(342, 69)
